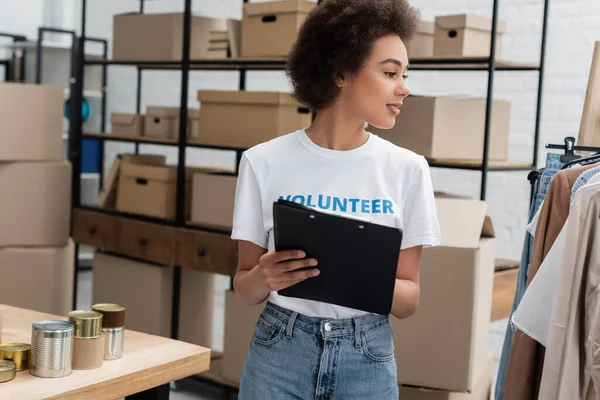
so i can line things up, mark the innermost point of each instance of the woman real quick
(348, 64)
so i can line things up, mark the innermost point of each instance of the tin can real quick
(88, 347)
(8, 371)
(51, 349)
(113, 326)
(19, 353)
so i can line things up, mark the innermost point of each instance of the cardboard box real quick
(149, 305)
(108, 194)
(36, 210)
(144, 289)
(162, 122)
(240, 319)
(482, 390)
(149, 37)
(128, 125)
(450, 128)
(38, 278)
(444, 345)
(193, 117)
(466, 35)
(213, 198)
(32, 122)
(244, 119)
(151, 190)
(422, 43)
(270, 29)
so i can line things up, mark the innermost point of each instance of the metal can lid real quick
(53, 326)
(108, 307)
(15, 347)
(8, 370)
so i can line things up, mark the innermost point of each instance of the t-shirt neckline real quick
(336, 154)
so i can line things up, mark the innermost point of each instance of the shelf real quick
(478, 165)
(160, 141)
(159, 221)
(468, 64)
(203, 64)
(116, 138)
(423, 64)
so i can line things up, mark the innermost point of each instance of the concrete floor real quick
(193, 390)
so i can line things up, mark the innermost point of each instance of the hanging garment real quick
(583, 179)
(525, 362)
(572, 362)
(534, 314)
(553, 165)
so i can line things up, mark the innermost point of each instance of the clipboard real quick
(357, 260)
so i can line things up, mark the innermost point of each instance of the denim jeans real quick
(293, 356)
(553, 164)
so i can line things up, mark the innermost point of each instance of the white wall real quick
(573, 28)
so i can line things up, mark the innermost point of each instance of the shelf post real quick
(181, 169)
(75, 128)
(538, 110)
(489, 102)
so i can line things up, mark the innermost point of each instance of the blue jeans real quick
(293, 356)
(553, 164)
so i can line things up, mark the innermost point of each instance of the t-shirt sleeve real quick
(248, 213)
(420, 224)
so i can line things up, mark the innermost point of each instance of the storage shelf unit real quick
(179, 223)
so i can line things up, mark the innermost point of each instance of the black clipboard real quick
(358, 260)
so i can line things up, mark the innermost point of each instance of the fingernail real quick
(313, 262)
(315, 272)
(301, 254)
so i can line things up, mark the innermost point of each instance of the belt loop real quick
(290, 325)
(356, 333)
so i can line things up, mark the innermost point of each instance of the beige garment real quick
(526, 361)
(572, 360)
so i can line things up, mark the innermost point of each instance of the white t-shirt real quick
(378, 181)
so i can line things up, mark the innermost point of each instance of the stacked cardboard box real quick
(36, 252)
(149, 306)
(444, 345)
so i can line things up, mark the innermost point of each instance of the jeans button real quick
(327, 326)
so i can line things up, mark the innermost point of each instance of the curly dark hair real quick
(336, 38)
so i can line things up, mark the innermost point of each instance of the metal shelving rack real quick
(482, 64)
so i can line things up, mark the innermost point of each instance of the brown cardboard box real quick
(197, 307)
(129, 125)
(449, 128)
(193, 116)
(144, 289)
(422, 43)
(108, 195)
(240, 319)
(38, 278)
(456, 294)
(466, 35)
(149, 305)
(244, 119)
(482, 390)
(213, 197)
(269, 29)
(162, 122)
(151, 190)
(36, 210)
(32, 122)
(149, 37)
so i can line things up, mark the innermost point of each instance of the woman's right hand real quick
(279, 270)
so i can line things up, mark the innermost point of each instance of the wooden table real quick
(148, 366)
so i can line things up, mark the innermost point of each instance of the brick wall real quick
(572, 30)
